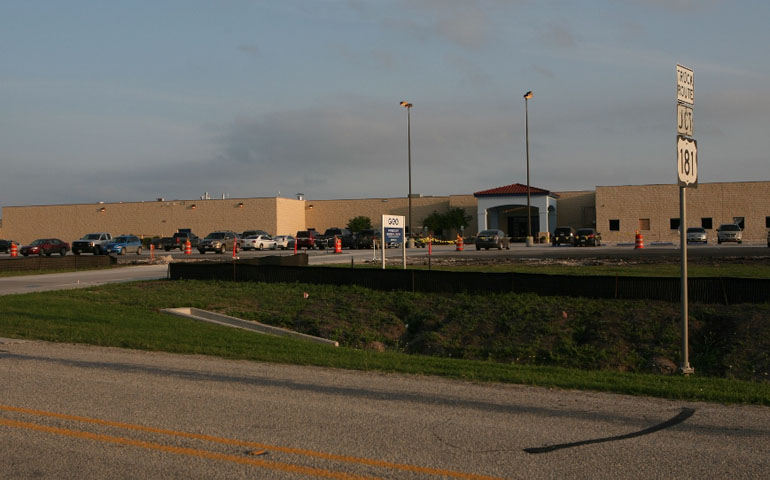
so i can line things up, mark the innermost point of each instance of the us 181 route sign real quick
(687, 161)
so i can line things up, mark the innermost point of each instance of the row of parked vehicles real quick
(727, 232)
(582, 237)
(224, 241)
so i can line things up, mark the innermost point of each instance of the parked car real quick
(729, 232)
(5, 245)
(124, 244)
(697, 235)
(492, 239)
(220, 242)
(258, 242)
(587, 237)
(46, 246)
(249, 233)
(91, 243)
(284, 241)
(347, 237)
(307, 239)
(563, 235)
(367, 237)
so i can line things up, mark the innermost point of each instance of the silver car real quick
(729, 232)
(284, 241)
(697, 235)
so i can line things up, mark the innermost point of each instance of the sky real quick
(128, 101)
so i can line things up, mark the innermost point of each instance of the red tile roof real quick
(513, 189)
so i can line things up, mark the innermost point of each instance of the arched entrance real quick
(505, 208)
(512, 219)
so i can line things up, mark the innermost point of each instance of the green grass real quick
(128, 316)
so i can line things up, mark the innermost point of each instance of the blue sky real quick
(134, 100)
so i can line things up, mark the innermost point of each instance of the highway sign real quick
(687, 161)
(684, 120)
(685, 85)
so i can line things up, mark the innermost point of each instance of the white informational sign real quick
(685, 85)
(687, 161)
(393, 232)
(684, 120)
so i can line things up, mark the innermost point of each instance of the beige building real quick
(616, 212)
(653, 210)
(279, 216)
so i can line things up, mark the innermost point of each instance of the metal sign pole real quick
(685, 367)
(403, 248)
(382, 244)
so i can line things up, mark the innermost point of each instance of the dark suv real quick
(563, 235)
(220, 242)
(366, 238)
(307, 239)
(348, 239)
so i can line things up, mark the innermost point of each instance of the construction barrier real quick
(14, 249)
(188, 247)
(337, 245)
(152, 252)
(639, 240)
(459, 244)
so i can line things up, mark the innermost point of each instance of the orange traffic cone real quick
(337, 245)
(14, 249)
(639, 240)
(459, 243)
(188, 247)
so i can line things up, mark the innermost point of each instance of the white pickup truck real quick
(91, 243)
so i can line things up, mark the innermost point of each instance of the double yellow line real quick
(248, 460)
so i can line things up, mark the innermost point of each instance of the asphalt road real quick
(79, 279)
(70, 411)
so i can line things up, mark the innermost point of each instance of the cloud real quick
(558, 36)
(248, 49)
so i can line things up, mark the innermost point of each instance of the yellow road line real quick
(194, 452)
(275, 448)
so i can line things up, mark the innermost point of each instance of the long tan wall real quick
(721, 202)
(70, 222)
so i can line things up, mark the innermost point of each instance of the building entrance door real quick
(517, 227)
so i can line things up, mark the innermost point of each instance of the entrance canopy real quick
(505, 208)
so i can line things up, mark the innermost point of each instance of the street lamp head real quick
(406, 104)
(528, 95)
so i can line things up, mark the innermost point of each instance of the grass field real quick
(547, 341)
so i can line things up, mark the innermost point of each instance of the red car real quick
(46, 246)
(308, 239)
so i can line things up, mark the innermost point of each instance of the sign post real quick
(687, 176)
(393, 231)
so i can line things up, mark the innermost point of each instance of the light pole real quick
(527, 96)
(408, 107)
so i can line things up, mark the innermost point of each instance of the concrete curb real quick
(227, 321)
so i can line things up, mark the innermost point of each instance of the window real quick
(644, 224)
(739, 221)
(674, 222)
(767, 222)
(707, 223)
(614, 225)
